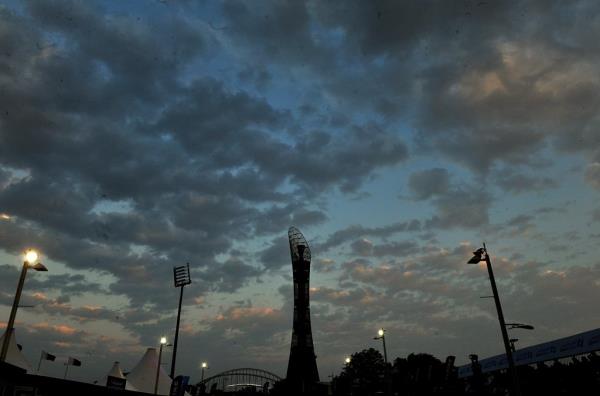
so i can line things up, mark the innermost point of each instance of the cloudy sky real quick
(140, 135)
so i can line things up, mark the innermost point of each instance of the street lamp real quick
(30, 261)
(381, 336)
(163, 342)
(480, 255)
(381, 333)
(519, 326)
(347, 360)
(204, 366)
(511, 326)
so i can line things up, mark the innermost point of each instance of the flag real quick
(74, 362)
(48, 356)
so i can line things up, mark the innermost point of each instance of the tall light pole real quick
(182, 278)
(480, 255)
(31, 258)
(163, 342)
(381, 333)
(381, 336)
(204, 366)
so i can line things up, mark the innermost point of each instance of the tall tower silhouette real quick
(302, 373)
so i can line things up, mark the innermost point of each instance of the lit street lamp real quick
(480, 255)
(163, 342)
(30, 261)
(204, 366)
(347, 360)
(381, 337)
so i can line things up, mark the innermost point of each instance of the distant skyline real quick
(397, 136)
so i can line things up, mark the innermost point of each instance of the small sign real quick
(115, 382)
(178, 385)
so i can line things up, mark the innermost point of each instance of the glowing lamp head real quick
(163, 340)
(31, 256)
(204, 365)
(381, 332)
(347, 360)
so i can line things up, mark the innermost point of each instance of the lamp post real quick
(347, 360)
(519, 326)
(381, 336)
(381, 333)
(31, 257)
(480, 255)
(204, 366)
(163, 342)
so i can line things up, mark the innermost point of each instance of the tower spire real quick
(302, 373)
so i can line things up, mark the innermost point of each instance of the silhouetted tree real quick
(418, 374)
(363, 376)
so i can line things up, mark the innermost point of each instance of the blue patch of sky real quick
(552, 229)
(104, 206)
(16, 6)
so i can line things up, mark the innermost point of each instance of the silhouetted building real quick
(302, 373)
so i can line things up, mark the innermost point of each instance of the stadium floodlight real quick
(480, 255)
(181, 276)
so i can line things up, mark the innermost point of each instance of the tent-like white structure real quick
(116, 371)
(143, 375)
(14, 356)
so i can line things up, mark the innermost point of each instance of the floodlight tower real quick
(31, 261)
(182, 278)
(302, 372)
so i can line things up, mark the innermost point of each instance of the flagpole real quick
(66, 369)
(40, 363)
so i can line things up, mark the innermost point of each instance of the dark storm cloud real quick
(104, 119)
(230, 275)
(72, 285)
(488, 83)
(277, 254)
(356, 231)
(280, 30)
(278, 218)
(462, 207)
(428, 183)
(519, 183)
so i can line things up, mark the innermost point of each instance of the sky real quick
(136, 136)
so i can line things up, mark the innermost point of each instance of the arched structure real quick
(241, 378)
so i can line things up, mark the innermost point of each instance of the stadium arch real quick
(240, 378)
